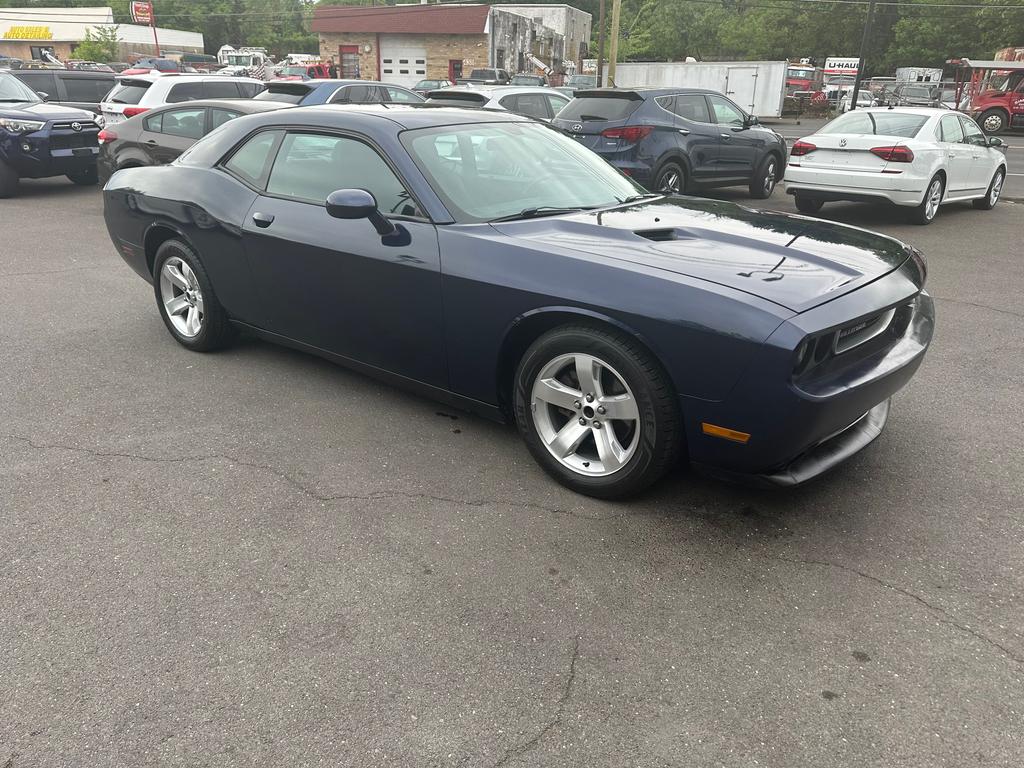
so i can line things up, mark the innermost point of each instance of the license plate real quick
(81, 151)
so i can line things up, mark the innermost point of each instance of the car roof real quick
(645, 92)
(500, 90)
(174, 76)
(405, 116)
(248, 106)
(911, 110)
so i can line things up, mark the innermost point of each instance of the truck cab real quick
(1001, 105)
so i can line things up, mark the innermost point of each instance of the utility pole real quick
(863, 51)
(600, 46)
(613, 53)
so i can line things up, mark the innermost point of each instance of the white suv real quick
(134, 94)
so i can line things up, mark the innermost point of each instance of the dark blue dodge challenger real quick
(491, 262)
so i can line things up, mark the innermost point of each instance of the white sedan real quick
(915, 157)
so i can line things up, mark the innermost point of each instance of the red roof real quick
(410, 19)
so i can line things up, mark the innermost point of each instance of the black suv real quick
(39, 140)
(82, 89)
(675, 140)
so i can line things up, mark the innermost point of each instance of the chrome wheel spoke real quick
(611, 453)
(558, 394)
(622, 407)
(177, 305)
(192, 321)
(568, 438)
(588, 372)
(177, 277)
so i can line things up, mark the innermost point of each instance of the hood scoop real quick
(664, 234)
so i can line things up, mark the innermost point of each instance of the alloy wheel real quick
(585, 414)
(182, 297)
(993, 124)
(934, 198)
(670, 182)
(769, 178)
(997, 188)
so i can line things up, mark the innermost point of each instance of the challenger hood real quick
(795, 262)
(40, 110)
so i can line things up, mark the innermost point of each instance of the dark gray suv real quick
(676, 140)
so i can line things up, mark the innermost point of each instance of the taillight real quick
(133, 111)
(801, 148)
(105, 136)
(897, 154)
(630, 133)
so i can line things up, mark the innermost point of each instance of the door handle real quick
(263, 220)
(684, 131)
(151, 141)
(725, 136)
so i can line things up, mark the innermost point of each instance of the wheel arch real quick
(530, 326)
(674, 155)
(157, 234)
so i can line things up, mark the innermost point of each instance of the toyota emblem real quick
(577, 127)
(842, 142)
(76, 126)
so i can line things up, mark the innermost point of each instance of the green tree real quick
(100, 44)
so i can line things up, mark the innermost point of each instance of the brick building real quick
(407, 43)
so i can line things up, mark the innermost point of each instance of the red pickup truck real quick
(304, 72)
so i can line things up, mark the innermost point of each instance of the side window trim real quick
(362, 138)
(261, 183)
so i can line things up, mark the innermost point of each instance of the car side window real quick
(726, 113)
(250, 161)
(220, 116)
(187, 123)
(693, 107)
(310, 166)
(532, 105)
(154, 123)
(220, 90)
(84, 89)
(950, 129)
(972, 133)
(557, 104)
(248, 90)
(397, 94)
(185, 92)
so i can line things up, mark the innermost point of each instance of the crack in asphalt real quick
(533, 741)
(302, 487)
(981, 306)
(948, 618)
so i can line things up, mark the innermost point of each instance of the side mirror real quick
(995, 141)
(749, 121)
(43, 95)
(358, 204)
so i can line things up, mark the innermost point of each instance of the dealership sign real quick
(28, 33)
(142, 13)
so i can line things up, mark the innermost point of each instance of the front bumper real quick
(801, 428)
(833, 185)
(54, 150)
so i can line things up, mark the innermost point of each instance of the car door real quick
(984, 160)
(737, 152)
(170, 132)
(336, 284)
(959, 157)
(698, 134)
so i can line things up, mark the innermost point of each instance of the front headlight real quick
(20, 126)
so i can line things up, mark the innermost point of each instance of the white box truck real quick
(759, 87)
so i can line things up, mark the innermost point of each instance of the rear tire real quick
(8, 180)
(926, 212)
(995, 188)
(993, 121)
(186, 301)
(671, 179)
(86, 178)
(618, 442)
(764, 181)
(808, 205)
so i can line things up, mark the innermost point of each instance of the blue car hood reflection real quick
(795, 262)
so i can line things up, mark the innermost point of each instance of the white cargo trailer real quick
(759, 87)
(919, 74)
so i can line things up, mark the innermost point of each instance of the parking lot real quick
(258, 558)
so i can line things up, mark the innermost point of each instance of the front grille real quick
(65, 125)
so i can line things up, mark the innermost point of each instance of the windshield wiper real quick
(543, 210)
(16, 101)
(637, 198)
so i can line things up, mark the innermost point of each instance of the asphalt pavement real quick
(256, 558)
(792, 129)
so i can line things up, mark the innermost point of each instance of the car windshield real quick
(294, 71)
(289, 95)
(889, 123)
(483, 74)
(489, 171)
(587, 81)
(13, 90)
(920, 93)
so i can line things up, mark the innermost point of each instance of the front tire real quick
(597, 411)
(763, 183)
(86, 178)
(185, 298)
(8, 180)
(993, 121)
(995, 188)
(925, 213)
(671, 178)
(807, 205)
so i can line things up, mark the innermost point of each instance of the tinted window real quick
(248, 90)
(40, 81)
(726, 113)
(128, 92)
(310, 166)
(950, 129)
(220, 116)
(692, 106)
(185, 92)
(214, 89)
(288, 95)
(353, 94)
(600, 108)
(187, 123)
(532, 105)
(250, 161)
(86, 89)
(887, 123)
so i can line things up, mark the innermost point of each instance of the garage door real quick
(402, 62)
